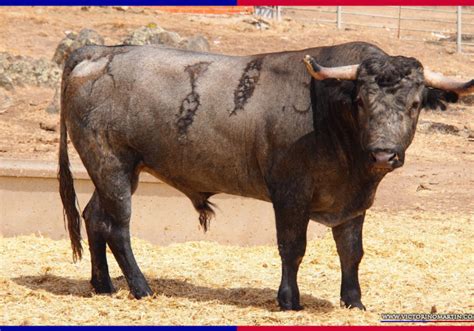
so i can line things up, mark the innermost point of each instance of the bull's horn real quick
(319, 72)
(437, 80)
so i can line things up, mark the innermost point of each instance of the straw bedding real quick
(414, 260)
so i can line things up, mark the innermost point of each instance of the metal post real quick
(339, 17)
(459, 33)
(399, 20)
(278, 13)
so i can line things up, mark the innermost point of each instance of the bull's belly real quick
(329, 212)
(334, 219)
(209, 180)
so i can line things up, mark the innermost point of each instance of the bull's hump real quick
(88, 67)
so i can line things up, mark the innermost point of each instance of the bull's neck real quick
(339, 129)
(339, 132)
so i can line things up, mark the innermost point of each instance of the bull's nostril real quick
(384, 158)
(374, 157)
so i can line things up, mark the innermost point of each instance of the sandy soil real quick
(420, 227)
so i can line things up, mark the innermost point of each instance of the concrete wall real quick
(30, 203)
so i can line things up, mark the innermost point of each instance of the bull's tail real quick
(66, 182)
(68, 195)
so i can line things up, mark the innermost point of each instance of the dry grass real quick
(413, 261)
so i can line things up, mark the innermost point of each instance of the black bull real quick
(255, 126)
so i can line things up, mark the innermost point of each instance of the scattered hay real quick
(414, 261)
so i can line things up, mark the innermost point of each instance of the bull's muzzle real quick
(385, 159)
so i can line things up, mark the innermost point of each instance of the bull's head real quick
(389, 93)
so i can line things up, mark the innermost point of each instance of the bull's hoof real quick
(286, 306)
(103, 287)
(141, 292)
(287, 301)
(352, 304)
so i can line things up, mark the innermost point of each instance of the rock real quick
(48, 127)
(73, 41)
(6, 82)
(153, 34)
(167, 38)
(63, 50)
(89, 37)
(196, 43)
(45, 73)
(142, 36)
(23, 70)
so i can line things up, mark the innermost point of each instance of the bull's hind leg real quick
(115, 198)
(95, 225)
(115, 177)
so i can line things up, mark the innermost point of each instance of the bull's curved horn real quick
(319, 72)
(437, 80)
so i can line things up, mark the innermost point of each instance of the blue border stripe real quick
(118, 2)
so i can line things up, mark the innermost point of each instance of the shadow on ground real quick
(264, 298)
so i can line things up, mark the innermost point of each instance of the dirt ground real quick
(419, 231)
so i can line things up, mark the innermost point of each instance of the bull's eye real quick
(415, 105)
(359, 102)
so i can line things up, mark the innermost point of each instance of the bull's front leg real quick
(291, 223)
(348, 237)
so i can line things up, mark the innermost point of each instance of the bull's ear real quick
(434, 98)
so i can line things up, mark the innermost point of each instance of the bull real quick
(315, 140)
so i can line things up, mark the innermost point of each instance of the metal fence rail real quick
(446, 24)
